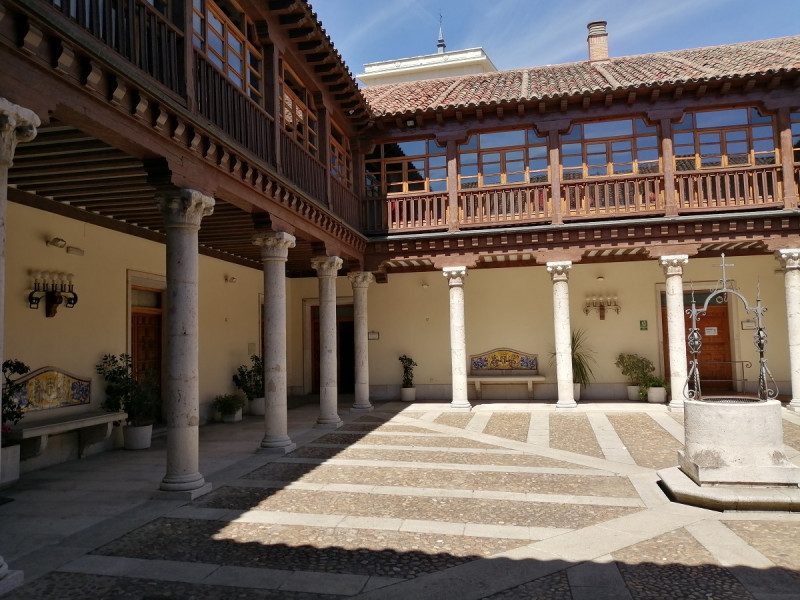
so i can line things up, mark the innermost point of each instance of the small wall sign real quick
(373, 335)
(643, 325)
(711, 331)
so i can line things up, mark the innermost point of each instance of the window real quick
(795, 121)
(341, 157)
(413, 166)
(221, 30)
(607, 148)
(298, 117)
(723, 138)
(502, 157)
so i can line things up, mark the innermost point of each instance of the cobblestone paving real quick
(513, 426)
(552, 587)
(77, 586)
(456, 510)
(774, 539)
(423, 456)
(367, 427)
(791, 434)
(321, 549)
(455, 419)
(575, 434)
(647, 442)
(428, 440)
(537, 483)
(676, 565)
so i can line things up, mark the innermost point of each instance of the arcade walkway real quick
(406, 502)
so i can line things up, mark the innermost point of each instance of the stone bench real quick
(504, 366)
(51, 388)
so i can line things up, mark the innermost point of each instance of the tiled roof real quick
(555, 81)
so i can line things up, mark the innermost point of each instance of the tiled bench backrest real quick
(504, 361)
(50, 387)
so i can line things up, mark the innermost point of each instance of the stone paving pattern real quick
(404, 502)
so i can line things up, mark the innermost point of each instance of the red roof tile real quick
(627, 72)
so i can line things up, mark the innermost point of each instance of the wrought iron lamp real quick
(55, 288)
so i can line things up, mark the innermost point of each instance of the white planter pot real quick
(576, 391)
(137, 438)
(232, 418)
(657, 395)
(9, 466)
(633, 393)
(408, 394)
(258, 406)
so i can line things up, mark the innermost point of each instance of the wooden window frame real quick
(794, 125)
(692, 156)
(298, 116)
(575, 143)
(380, 168)
(526, 173)
(235, 46)
(341, 157)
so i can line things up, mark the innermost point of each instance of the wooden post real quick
(784, 125)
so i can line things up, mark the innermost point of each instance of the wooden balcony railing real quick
(742, 187)
(227, 107)
(599, 198)
(420, 212)
(302, 169)
(137, 31)
(345, 204)
(504, 205)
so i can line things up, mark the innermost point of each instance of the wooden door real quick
(716, 368)
(146, 333)
(345, 349)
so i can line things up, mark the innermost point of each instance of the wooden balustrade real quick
(137, 31)
(745, 187)
(419, 212)
(227, 107)
(517, 204)
(345, 204)
(599, 198)
(302, 169)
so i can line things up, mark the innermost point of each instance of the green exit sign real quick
(642, 325)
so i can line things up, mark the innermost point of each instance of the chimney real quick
(598, 41)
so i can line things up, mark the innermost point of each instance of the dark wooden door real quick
(345, 349)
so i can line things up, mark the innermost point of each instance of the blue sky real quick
(522, 33)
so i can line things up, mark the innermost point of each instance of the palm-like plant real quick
(582, 358)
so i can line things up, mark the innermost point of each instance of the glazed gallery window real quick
(606, 148)
(297, 115)
(398, 167)
(341, 157)
(723, 138)
(502, 157)
(795, 124)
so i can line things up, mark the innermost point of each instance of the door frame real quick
(141, 279)
(308, 303)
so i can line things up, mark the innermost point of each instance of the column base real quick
(566, 405)
(193, 494)
(461, 406)
(328, 423)
(182, 483)
(794, 405)
(11, 580)
(277, 449)
(276, 441)
(361, 409)
(675, 406)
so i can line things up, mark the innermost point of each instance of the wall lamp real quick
(57, 242)
(601, 304)
(55, 288)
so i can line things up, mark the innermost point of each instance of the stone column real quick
(326, 268)
(182, 213)
(274, 252)
(458, 339)
(360, 281)
(17, 125)
(676, 326)
(559, 273)
(790, 260)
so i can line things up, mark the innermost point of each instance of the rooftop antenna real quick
(440, 44)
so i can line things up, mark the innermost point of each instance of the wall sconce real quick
(55, 288)
(57, 242)
(601, 304)
(230, 279)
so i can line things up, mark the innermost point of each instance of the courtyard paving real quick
(410, 501)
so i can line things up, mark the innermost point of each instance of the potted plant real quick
(654, 389)
(636, 369)
(139, 398)
(229, 406)
(12, 412)
(407, 391)
(250, 380)
(582, 359)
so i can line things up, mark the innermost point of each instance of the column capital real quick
(789, 257)
(326, 266)
(185, 208)
(360, 279)
(17, 124)
(559, 270)
(455, 275)
(673, 264)
(274, 245)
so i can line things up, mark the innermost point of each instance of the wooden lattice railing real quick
(731, 188)
(598, 198)
(396, 213)
(345, 204)
(302, 169)
(501, 205)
